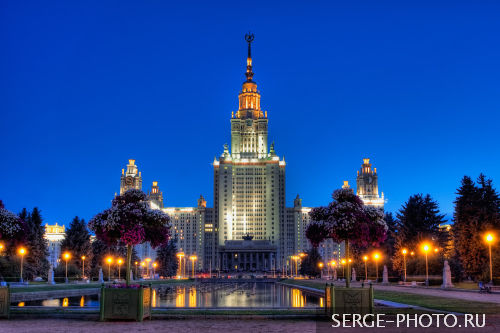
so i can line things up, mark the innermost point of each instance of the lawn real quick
(431, 302)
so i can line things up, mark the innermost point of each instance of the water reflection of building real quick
(54, 234)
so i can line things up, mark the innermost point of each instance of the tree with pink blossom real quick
(347, 219)
(130, 221)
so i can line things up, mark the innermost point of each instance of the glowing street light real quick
(143, 264)
(147, 266)
(376, 257)
(405, 251)
(426, 248)
(489, 239)
(83, 263)
(180, 255)
(66, 257)
(1, 247)
(120, 262)
(154, 269)
(193, 258)
(295, 258)
(109, 260)
(343, 262)
(333, 264)
(22, 251)
(365, 259)
(136, 265)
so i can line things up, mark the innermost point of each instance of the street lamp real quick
(193, 258)
(343, 267)
(320, 265)
(109, 260)
(66, 257)
(333, 263)
(180, 255)
(136, 265)
(83, 263)
(295, 258)
(489, 239)
(154, 269)
(365, 259)
(404, 261)
(147, 266)
(120, 262)
(426, 248)
(376, 256)
(22, 251)
(143, 264)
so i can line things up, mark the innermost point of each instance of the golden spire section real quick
(249, 97)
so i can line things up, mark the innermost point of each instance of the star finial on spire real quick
(249, 37)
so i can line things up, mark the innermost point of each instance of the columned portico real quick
(247, 255)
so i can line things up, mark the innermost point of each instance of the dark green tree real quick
(309, 264)
(77, 242)
(35, 261)
(477, 210)
(418, 220)
(167, 258)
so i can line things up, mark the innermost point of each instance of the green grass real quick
(431, 302)
(439, 303)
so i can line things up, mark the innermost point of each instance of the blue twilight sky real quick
(85, 85)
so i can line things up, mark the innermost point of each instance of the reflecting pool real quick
(208, 295)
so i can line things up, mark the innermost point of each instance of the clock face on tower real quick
(129, 181)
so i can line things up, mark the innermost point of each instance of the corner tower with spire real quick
(249, 180)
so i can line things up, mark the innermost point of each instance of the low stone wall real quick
(41, 295)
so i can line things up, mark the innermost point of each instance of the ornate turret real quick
(367, 185)
(249, 124)
(131, 179)
(155, 196)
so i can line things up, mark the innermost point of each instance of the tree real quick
(418, 220)
(100, 250)
(167, 258)
(130, 221)
(348, 220)
(309, 264)
(77, 242)
(13, 232)
(477, 210)
(36, 262)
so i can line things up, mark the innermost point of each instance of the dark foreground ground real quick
(212, 325)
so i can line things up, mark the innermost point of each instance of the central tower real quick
(249, 179)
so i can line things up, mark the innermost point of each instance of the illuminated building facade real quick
(249, 179)
(249, 228)
(54, 234)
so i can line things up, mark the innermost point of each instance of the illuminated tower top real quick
(367, 185)
(249, 97)
(130, 179)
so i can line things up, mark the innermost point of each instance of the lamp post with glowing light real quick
(109, 260)
(143, 264)
(296, 258)
(1, 247)
(426, 249)
(147, 266)
(154, 269)
(343, 262)
(193, 258)
(404, 251)
(136, 265)
(22, 252)
(180, 255)
(376, 257)
(66, 257)
(119, 262)
(83, 267)
(333, 263)
(365, 259)
(320, 265)
(489, 239)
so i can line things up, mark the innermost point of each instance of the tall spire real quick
(249, 74)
